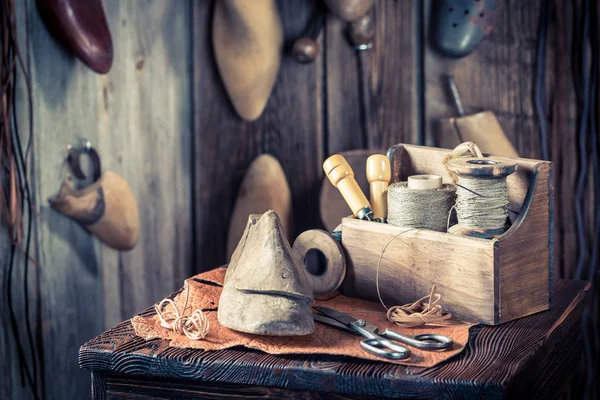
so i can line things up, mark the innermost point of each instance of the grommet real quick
(74, 160)
(324, 259)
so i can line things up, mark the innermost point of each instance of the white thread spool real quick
(422, 202)
(423, 182)
(482, 195)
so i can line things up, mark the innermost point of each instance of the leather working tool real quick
(381, 343)
(306, 49)
(360, 34)
(379, 174)
(459, 26)
(482, 128)
(341, 176)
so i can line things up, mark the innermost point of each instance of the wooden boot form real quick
(263, 188)
(266, 290)
(107, 208)
(81, 27)
(248, 43)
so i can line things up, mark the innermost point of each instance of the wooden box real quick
(490, 281)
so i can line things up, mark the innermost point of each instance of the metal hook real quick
(74, 159)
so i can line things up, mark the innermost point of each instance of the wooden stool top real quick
(516, 358)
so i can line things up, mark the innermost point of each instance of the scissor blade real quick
(333, 323)
(337, 315)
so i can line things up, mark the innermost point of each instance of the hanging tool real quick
(379, 342)
(459, 26)
(482, 128)
(360, 34)
(379, 174)
(341, 176)
(306, 49)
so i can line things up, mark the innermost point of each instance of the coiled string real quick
(482, 203)
(194, 326)
(420, 208)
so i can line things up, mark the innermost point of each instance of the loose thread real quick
(420, 312)
(417, 313)
(195, 326)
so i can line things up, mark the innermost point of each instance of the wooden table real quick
(534, 355)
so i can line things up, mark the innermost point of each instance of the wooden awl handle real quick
(340, 174)
(379, 174)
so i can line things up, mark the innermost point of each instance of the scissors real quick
(380, 343)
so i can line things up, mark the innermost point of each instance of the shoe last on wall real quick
(248, 44)
(107, 208)
(81, 27)
(263, 188)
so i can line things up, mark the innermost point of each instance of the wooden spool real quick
(480, 168)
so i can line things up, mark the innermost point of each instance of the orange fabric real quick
(205, 291)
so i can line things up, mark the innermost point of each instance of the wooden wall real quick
(162, 120)
(139, 117)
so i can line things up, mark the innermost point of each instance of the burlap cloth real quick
(205, 290)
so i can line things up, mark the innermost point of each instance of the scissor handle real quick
(385, 348)
(425, 341)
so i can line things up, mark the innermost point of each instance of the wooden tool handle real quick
(340, 174)
(379, 174)
(306, 48)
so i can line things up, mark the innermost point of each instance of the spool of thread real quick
(422, 202)
(481, 195)
(320, 248)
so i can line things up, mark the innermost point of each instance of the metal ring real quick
(74, 160)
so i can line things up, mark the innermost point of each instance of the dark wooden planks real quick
(494, 357)
(98, 385)
(290, 128)
(129, 387)
(392, 75)
(497, 76)
(500, 76)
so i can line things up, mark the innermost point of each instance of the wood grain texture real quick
(564, 139)
(142, 132)
(66, 102)
(525, 259)
(290, 129)
(494, 358)
(98, 385)
(391, 73)
(462, 268)
(145, 135)
(137, 387)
